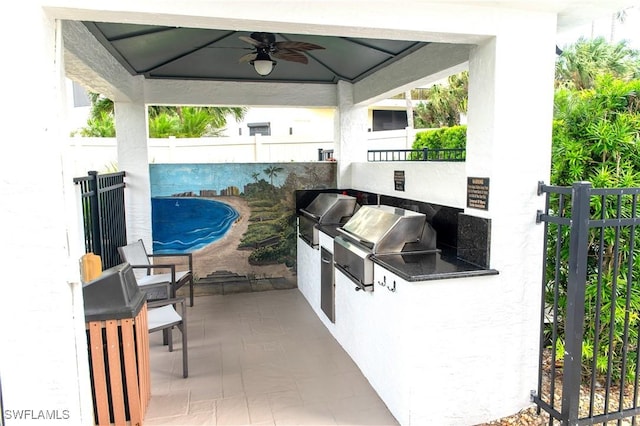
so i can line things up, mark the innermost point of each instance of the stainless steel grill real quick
(380, 229)
(325, 209)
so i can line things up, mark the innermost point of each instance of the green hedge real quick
(454, 137)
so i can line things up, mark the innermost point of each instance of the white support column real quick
(351, 133)
(133, 158)
(43, 356)
(509, 141)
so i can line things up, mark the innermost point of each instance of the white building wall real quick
(316, 123)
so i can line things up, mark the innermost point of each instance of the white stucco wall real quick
(443, 183)
(43, 363)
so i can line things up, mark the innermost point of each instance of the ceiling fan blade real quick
(291, 55)
(248, 57)
(250, 41)
(297, 45)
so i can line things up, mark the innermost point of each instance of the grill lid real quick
(329, 208)
(385, 229)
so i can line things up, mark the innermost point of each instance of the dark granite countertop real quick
(425, 266)
(421, 266)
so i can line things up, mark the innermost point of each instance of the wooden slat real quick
(131, 371)
(142, 350)
(126, 339)
(99, 372)
(115, 372)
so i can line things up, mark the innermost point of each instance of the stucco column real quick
(133, 158)
(510, 116)
(43, 355)
(351, 133)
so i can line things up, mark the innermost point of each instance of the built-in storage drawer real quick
(327, 286)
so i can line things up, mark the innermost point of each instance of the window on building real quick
(263, 129)
(389, 120)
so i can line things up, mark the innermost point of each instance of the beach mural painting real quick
(234, 217)
(185, 225)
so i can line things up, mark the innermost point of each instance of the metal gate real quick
(103, 214)
(590, 307)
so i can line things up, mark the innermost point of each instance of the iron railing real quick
(103, 213)
(589, 316)
(424, 154)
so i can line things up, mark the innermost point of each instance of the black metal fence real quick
(103, 213)
(590, 310)
(376, 155)
(416, 155)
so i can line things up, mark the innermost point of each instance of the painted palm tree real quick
(272, 171)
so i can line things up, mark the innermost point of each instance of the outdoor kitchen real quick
(368, 270)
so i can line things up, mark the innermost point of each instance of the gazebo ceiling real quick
(160, 52)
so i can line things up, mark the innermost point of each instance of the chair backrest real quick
(135, 254)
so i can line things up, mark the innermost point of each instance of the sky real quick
(629, 30)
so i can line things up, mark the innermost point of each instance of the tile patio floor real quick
(259, 358)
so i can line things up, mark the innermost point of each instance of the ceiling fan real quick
(265, 44)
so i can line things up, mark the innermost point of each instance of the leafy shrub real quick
(454, 137)
(443, 138)
(430, 139)
(595, 138)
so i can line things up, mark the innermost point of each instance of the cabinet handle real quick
(325, 260)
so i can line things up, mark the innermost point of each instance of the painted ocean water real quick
(182, 225)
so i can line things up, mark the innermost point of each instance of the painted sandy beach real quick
(223, 254)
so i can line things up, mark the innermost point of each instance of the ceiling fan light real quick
(263, 64)
(263, 68)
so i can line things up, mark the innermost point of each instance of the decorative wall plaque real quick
(478, 193)
(398, 180)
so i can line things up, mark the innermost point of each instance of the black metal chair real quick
(162, 315)
(136, 255)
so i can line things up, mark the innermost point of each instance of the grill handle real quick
(354, 237)
(353, 278)
(310, 215)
